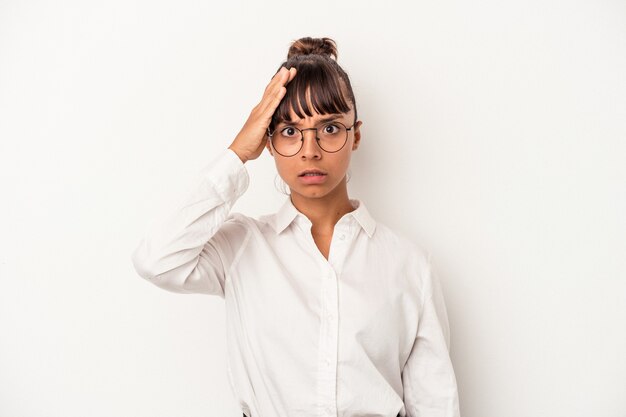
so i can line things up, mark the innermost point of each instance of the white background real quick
(494, 134)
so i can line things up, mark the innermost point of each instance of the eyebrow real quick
(322, 120)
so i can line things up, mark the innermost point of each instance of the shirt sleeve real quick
(191, 250)
(430, 388)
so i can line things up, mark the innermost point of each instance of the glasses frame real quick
(317, 139)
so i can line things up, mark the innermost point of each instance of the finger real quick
(292, 73)
(276, 100)
(275, 90)
(276, 86)
(277, 78)
(271, 102)
(281, 71)
(284, 78)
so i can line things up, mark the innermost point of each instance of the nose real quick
(310, 147)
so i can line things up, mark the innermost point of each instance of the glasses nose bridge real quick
(309, 128)
(316, 141)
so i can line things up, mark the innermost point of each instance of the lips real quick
(312, 177)
(311, 173)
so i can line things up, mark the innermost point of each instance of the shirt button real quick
(329, 410)
(342, 237)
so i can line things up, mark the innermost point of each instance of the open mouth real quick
(312, 176)
(311, 173)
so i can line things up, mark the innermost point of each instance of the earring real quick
(280, 185)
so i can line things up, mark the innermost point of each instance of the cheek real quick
(284, 167)
(343, 161)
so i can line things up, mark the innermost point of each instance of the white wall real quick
(494, 134)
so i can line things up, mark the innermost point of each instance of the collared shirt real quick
(362, 333)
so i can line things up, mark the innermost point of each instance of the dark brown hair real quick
(315, 59)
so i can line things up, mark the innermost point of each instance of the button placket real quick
(327, 382)
(329, 318)
(339, 245)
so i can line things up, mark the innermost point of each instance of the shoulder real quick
(412, 260)
(242, 222)
(403, 246)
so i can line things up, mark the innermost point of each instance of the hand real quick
(252, 138)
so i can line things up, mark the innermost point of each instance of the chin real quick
(310, 193)
(314, 191)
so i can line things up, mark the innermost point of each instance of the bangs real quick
(323, 86)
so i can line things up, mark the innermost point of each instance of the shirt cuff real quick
(228, 175)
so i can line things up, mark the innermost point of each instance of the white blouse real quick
(364, 333)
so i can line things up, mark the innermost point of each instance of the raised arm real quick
(191, 250)
(188, 251)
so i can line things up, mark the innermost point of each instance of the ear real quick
(269, 147)
(357, 135)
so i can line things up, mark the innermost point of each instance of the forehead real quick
(316, 117)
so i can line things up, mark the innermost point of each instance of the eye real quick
(331, 128)
(289, 132)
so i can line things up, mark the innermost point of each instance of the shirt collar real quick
(288, 213)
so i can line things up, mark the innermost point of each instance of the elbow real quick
(174, 277)
(141, 262)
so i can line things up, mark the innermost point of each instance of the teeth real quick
(312, 174)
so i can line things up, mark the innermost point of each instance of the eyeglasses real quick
(331, 137)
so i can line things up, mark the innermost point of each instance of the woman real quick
(329, 313)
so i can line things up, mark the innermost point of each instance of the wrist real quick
(239, 154)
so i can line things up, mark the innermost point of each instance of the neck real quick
(324, 212)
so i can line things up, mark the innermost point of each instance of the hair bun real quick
(313, 46)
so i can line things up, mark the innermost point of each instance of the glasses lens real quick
(332, 136)
(287, 140)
